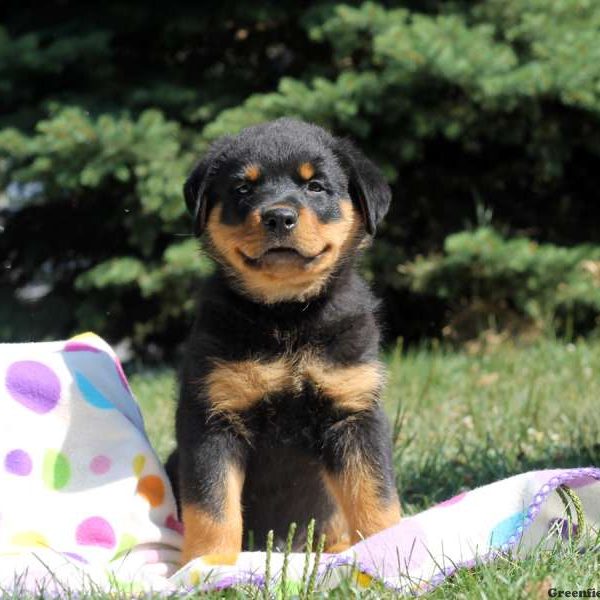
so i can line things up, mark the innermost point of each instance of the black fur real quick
(276, 143)
(292, 436)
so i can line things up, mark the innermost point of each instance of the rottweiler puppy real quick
(279, 418)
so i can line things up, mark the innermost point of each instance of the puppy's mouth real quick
(282, 256)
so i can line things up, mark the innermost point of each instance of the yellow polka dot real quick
(152, 488)
(30, 539)
(139, 462)
(194, 578)
(86, 335)
(363, 579)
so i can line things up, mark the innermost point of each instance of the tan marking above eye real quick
(252, 172)
(306, 171)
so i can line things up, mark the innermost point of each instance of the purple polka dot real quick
(34, 385)
(75, 556)
(95, 531)
(581, 481)
(100, 464)
(18, 462)
(80, 347)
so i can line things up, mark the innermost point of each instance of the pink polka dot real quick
(172, 523)
(80, 347)
(405, 544)
(121, 374)
(34, 385)
(95, 531)
(100, 464)
(150, 557)
(75, 556)
(451, 501)
(18, 462)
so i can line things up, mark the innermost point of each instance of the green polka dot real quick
(126, 543)
(56, 470)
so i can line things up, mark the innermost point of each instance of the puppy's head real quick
(283, 205)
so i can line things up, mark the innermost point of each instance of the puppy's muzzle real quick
(279, 221)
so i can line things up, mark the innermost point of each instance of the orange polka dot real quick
(152, 488)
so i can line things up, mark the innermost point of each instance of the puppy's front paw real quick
(210, 554)
(220, 558)
(338, 547)
(217, 540)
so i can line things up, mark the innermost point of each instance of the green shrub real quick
(541, 284)
(103, 112)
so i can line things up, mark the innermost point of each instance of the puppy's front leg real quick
(211, 478)
(359, 472)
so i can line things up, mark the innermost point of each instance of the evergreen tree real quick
(472, 109)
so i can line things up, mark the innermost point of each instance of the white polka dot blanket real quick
(85, 505)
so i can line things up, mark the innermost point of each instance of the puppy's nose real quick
(280, 219)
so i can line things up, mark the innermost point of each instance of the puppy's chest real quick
(301, 380)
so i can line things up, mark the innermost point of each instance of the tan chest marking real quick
(353, 388)
(235, 387)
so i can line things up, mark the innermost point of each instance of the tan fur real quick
(252, 172)
(352, 388)
(237, 386)
(204, 534)
(285, 281)
(355, 491)
(337, 533)
(220, 559)
(229, 239)
(306, 171)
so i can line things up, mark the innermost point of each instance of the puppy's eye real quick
(243, 190)
(315, 186)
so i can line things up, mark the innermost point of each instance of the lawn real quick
(463, 420)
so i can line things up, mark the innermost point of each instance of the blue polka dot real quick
(505, 530)
(92, 394)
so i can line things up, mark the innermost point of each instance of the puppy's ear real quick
(196, 187)
(367, 185)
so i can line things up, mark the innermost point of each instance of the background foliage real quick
(484, 116)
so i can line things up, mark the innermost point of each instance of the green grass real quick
(465, 420)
